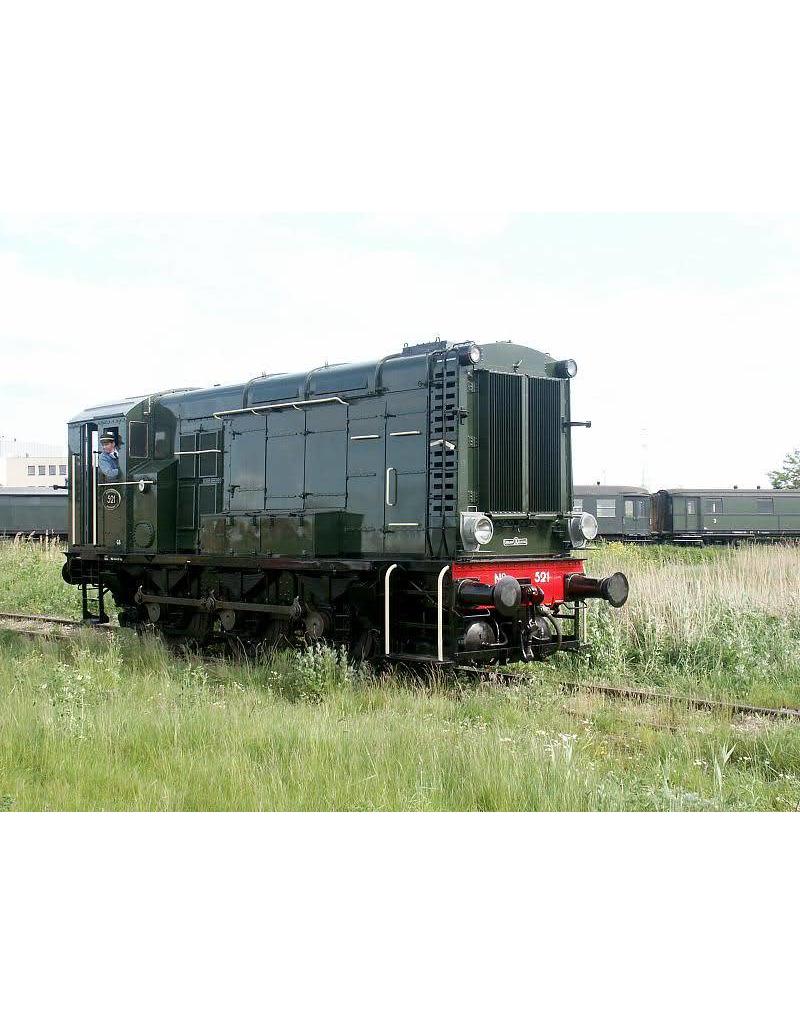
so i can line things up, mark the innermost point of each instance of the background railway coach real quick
(723, 516)
(622, 513)
(417, 507)
(37, 511)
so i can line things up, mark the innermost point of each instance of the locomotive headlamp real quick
(476, 529)
(484, 531)
(470, 353)
(566, 368)
(582, 529)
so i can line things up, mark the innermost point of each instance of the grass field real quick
(120, 723)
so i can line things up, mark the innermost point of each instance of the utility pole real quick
(644, 457)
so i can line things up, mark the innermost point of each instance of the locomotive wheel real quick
(199, 626)
(227, 619)
(129, 617)
(366, 646)
(190, 628)
(541, 637)
(275, 634)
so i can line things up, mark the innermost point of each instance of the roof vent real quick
(426, 346)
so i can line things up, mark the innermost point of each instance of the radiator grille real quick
(544, 444)
(501, 454)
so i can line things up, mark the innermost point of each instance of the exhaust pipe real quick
(614, 588)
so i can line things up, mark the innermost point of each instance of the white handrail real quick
(389, 471)
(72, 485)
(256, 409)
(128, 483)
(386, 609)
(440, 611)
(94, 499)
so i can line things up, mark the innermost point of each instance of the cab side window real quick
(137, 440)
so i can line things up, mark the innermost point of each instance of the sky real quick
(685, 327)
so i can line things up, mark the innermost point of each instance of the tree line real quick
(788, 476)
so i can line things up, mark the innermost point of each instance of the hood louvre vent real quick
(544, 444)
(501, 442)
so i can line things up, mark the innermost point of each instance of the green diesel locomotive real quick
(417, 507)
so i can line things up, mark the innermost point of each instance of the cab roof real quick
(103, 412)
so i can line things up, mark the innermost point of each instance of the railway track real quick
(654, 696)
(28, 624)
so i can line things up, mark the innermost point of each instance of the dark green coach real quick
(622, 513)
(687, 516)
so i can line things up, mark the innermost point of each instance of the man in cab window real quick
(109, 457)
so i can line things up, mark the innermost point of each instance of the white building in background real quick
(31, 464)
(33, 471)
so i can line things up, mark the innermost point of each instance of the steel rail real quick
(633, 694)
(30, 617)
(47, 620)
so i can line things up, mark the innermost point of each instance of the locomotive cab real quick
(130, 509)
(112, 515)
